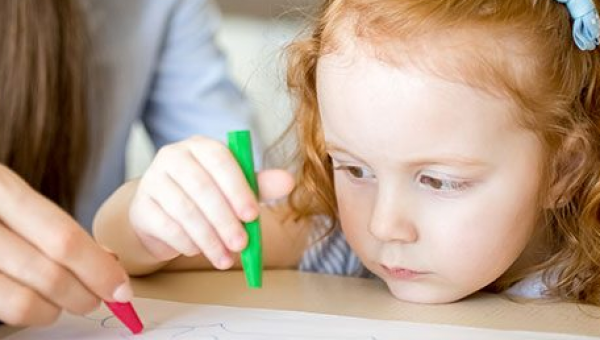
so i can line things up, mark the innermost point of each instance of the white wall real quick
(253, 47)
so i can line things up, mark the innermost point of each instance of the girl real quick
(444, 147)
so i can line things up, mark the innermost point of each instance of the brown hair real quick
(556, 85)
(43, 121)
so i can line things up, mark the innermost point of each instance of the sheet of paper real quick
(179, 321)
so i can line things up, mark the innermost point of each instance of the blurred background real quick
(252, 36)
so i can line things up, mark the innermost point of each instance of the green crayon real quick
(240, 145)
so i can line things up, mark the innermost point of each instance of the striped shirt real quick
(331, 254)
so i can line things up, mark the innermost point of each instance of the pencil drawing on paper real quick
(213, 331)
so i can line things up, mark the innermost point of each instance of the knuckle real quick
(53, 276)
(197, 139)
(187, 210)
(171, 230)
(195, 176)
(170, 152)
(202, 182)
(211, 243)
(55, 280)
(65, 244)
(227, 225)
(211, 148)
(219, 156)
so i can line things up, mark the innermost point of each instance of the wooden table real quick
(292, 290)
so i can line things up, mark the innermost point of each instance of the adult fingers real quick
(26, 265)
(22, 306)
(60, 238)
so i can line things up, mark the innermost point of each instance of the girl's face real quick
(435, 181)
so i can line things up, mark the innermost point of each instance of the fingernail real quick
(237, 242)
(224, 263)
(123, 293)
(248, 214)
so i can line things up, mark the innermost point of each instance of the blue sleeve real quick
(191, 92)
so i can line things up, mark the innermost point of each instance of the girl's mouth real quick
(402, 273)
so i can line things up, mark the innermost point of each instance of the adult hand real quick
(192, 198)
(48, 263)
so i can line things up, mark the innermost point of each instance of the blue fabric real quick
(331, 254)
(586, 23)
(154, 61)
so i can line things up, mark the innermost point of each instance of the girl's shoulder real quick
(534, 286)
(531, 287)
(329, 253)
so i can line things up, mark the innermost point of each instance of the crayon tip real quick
(127, 315)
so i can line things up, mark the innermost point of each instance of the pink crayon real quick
(127, 315)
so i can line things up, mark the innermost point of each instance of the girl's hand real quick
(193, 198)
(47, 261)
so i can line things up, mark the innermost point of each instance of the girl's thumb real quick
(274, 184)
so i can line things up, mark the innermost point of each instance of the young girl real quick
(443, 146)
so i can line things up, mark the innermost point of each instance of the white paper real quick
(181, 321)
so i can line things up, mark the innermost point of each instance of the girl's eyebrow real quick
(457, 160)
(331, 147)
(444, 159)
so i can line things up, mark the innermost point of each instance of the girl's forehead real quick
(368, 90)
(497, 64)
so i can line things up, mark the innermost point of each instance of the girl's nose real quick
(391, 221)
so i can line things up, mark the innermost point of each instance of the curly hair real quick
(525, 52)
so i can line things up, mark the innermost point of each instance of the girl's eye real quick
(357, 172)
(441, 184)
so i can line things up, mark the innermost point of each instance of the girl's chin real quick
(420, 293)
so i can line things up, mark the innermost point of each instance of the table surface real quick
(293, 290)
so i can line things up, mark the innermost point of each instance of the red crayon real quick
(127, 315)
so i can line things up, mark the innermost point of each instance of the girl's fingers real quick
(27, 266)
(207, 196)
(149, 218)
(55, 234)
(22, 306)
(175, 203)
(226, 173)
(274, 184)
(157, 248)
(195, 192)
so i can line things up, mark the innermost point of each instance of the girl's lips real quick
(402, 273)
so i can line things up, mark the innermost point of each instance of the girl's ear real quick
(566, 173)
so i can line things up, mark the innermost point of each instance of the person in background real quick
(74, 76)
